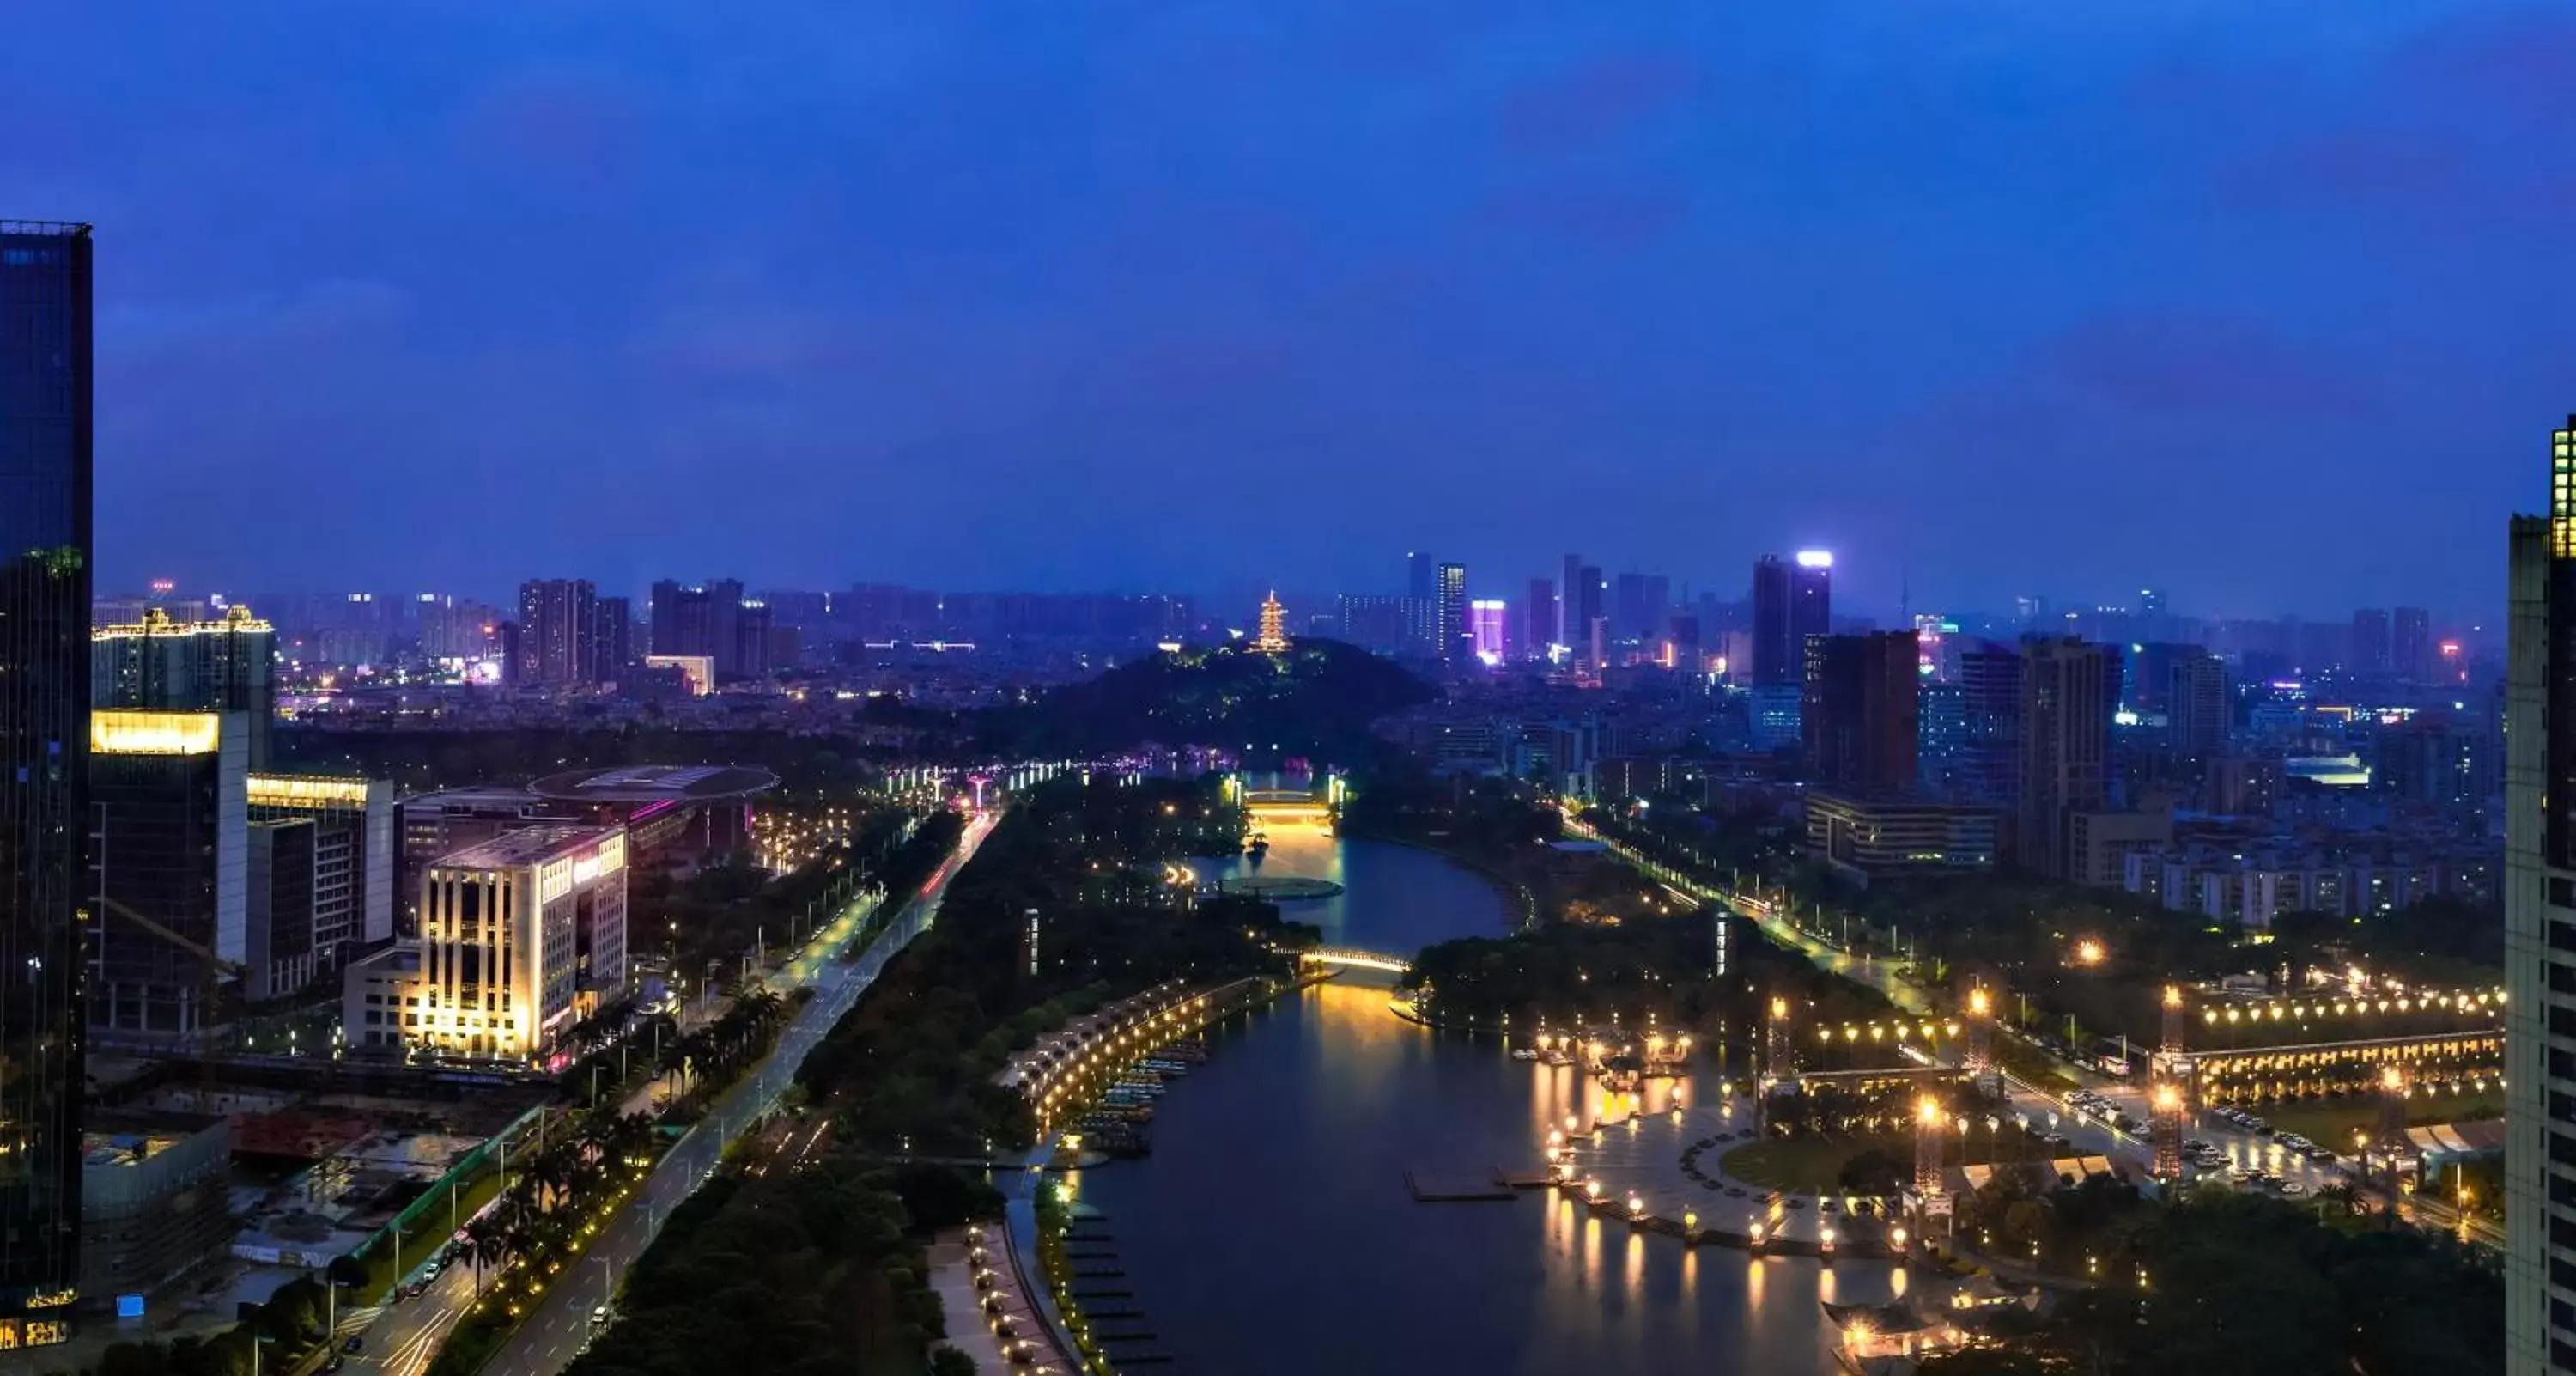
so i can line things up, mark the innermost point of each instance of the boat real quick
(1525, 1053)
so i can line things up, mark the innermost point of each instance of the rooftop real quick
(649, 783)
(527, 846)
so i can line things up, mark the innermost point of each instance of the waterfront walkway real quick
(990, 1320)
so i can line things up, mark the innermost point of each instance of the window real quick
(2562, 936)
(2562, 1315)
(2562, 1022)
(2562, 892)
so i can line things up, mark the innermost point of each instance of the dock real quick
(1455, 1189)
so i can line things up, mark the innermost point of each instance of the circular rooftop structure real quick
(655, 783)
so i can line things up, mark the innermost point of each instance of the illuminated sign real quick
(154, 733)
(16, 1333)
(1815, 558)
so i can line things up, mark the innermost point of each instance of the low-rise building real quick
(520, 937)
(1881, 837)
(153, 1202)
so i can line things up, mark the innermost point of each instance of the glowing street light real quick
(2089, 951)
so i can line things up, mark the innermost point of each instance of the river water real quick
(1272, 1232)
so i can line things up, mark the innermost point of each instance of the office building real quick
(1791, 601)
(752, 633)
(1539, 619)
(2410, 645)
(356, 858)
(2196, 704)
(1989, 768)
(1885, 837)
(1629, 621)
(1859, 716)
(1771, 716)
(558, 634)
(1419, 581)
(520, 937)
(170, 800)
(2370, 641)
(45, 379)
(158, 664)
(1451, 610)
(2067, 691)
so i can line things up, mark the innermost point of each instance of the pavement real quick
(407, 1336)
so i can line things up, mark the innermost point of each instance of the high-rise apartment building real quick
(1628, 619)
(2410, 645)
(1859, 717)
(45, 381)
(2195, 699)
(1450, 609)
(2370, 641)
(1590, 626)
(612, 639)
(2540, 929)
(703, 621)
(1989, 769)
(2068, 691)
(558, 633)
(1419, 580)
(1376, 622)
(228, 664)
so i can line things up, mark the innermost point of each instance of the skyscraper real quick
(1859, 716)
(1418, 578)
(225, 665)
(1539, 620)
(613, 638)
(1588, 623)
(1989, 768)
(2068, 689)
(170, 794)
(2540, 927)
(1569, 623)
(44, 743)
(1789, 605)
(558, 633)
(1450, 607)
(1628, 621)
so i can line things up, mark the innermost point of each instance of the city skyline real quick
(1687, 286)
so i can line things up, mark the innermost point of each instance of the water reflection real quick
(1272, 1232)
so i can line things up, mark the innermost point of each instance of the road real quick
(406, 1336)
(1881, 975)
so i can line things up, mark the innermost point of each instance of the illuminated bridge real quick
(1351, 958)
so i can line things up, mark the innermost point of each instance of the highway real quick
(406, 1336)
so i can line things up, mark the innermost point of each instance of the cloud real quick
(2187, 364)
(316, 313)
(1593, 101)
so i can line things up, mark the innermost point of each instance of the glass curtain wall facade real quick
(44, 740)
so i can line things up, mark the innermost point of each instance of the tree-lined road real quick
(406, 1336)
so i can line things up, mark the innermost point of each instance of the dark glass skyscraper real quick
(44, 744)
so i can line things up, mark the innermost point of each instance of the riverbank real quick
(1514, 894)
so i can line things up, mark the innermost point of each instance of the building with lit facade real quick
(520, 937)
(559, 634)
(1449, 615)
(1273, 639)
(227, 664)
(170, 798)
(45, 468)
(1485, 628)
(2540, 929)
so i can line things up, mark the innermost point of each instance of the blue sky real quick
(2263, 304)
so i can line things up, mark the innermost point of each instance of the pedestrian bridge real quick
(1352, 958)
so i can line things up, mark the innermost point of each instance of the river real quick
(1272, 1233)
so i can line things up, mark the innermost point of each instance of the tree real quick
(948, 1361)
(1874, 1172)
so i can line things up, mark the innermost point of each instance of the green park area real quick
(1810, 1164)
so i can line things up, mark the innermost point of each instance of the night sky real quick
(2267, 304)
